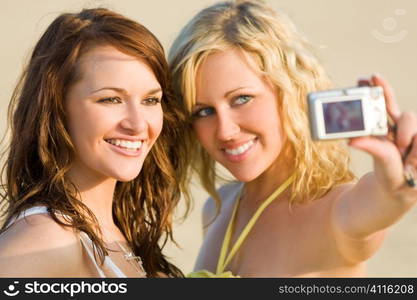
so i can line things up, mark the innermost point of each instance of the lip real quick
(235, 145)
(242, 156)
(127, 138)
(126, 152)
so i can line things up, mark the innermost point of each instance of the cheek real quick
(265, 121)
(155, 121)
(85, 131)
(268, 117)
(77, 128)
(204, 133)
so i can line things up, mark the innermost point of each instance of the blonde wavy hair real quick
(284, 58)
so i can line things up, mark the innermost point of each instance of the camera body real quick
(346, 113)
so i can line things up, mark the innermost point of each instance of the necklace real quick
(132, 259)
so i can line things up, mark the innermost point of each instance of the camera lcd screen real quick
(343, 116)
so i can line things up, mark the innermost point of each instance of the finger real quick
(392, 106)
(411, 155)
(380, 148)
(410, 176)
(388, 164)
(406, 131)
(410, 164)
(364, 81)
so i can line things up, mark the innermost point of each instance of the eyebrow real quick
(154, 91)
(225, 95)
(123, 91)
(234, 90)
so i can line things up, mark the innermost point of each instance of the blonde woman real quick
(242, 73)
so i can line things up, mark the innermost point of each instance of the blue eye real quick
(242, 99)
(151, 101)
(204, 112)
(110, 100)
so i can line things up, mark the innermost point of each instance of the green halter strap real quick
(223, 260)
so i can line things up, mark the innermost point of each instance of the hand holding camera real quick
(367, 115)
(346, 113)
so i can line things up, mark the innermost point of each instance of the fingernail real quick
(363, 81)
(410, 175)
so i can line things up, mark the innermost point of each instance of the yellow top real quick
(225, 260)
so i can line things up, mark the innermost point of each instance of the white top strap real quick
(30, 211)
(85, 241)
(111, 265)
(108, 262)
(88, 246)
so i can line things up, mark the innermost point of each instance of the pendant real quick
(136, 261)
(130, 255)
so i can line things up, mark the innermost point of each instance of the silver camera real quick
(345, 113)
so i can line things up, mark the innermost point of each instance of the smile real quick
(241, 149)
(124, 144)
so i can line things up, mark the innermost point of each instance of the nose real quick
(227, 127)
(134, 120)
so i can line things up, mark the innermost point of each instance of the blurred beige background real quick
(355, 38)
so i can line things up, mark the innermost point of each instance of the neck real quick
(99, 199)
(264, 185)
(97, 194)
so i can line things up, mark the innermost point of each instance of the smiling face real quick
(236, 117)
(113, 114)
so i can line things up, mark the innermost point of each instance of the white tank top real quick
(114, 270)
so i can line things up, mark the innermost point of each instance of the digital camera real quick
(346, 113)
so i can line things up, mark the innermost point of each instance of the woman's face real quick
(114, 115)
(236, 117)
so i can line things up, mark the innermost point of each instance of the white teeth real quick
(240, 149)
(126, 144)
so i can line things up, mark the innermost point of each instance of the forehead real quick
(101, 57)
(228, 69)
(108, 64)
(228, 60)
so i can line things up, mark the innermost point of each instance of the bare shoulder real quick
(211, 209)
(38, 246)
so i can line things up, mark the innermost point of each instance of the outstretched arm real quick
(382, 197)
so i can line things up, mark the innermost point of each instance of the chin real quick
(127, 176)
(125, 179)
(243, 176)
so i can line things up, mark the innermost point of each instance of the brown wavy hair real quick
(40, 152)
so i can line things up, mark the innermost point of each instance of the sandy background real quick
(356, 38)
